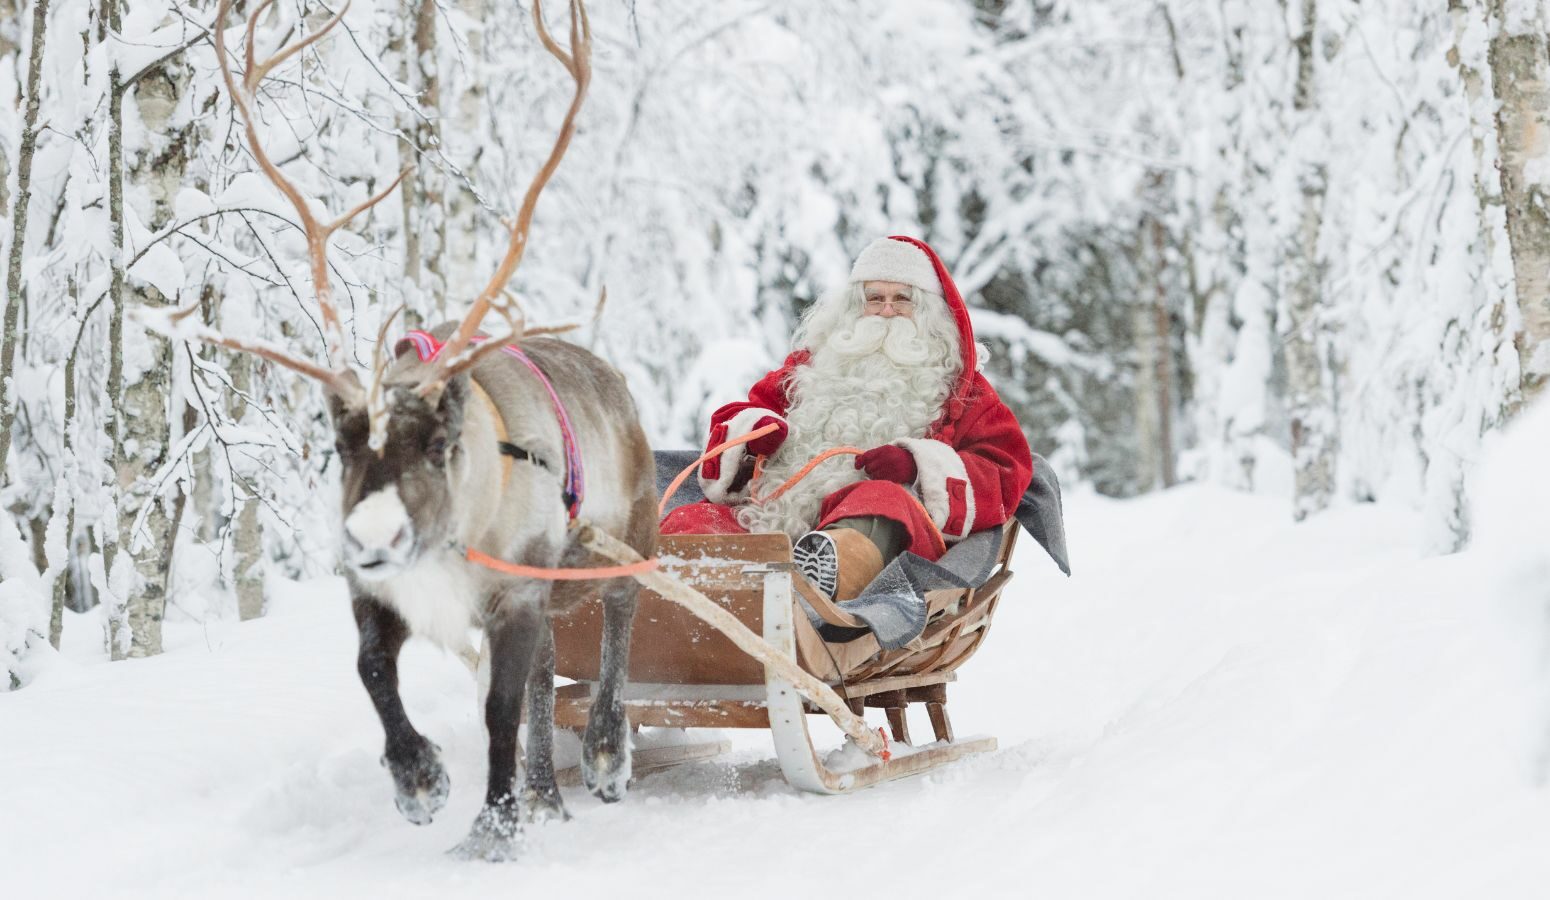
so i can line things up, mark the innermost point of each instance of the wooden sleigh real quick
(684, 673)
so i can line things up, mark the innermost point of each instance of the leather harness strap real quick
(522, 454)
(500, 432)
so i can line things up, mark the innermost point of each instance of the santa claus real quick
(887, 364)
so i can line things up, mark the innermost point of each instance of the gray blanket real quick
(894, 604)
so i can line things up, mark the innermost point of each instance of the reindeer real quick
(457, 446)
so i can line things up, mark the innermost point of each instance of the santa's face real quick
(887, 299)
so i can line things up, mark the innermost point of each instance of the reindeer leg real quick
(541, 797)
(514, 627)
(418, 777)
(605, 750)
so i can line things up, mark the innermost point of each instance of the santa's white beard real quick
(866, 386)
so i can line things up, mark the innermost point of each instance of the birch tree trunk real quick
(10, 36)
(1469, 28)
(467, 111)
(65, 582)
(1154, 390)
(117, 623)
(1495, 291)
(10, 44)
(423, 192)
(247, 536)
(13, 273)
(1312, 419)
(1148, 429)
(430, 226)
(146, 524)
(1162, 356)
(205, 499)
(248, 543)
(1520, 77)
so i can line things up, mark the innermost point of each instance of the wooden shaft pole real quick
(594, 539)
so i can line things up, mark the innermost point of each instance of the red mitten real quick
(769, 443)
(711, 468)
(888, 463)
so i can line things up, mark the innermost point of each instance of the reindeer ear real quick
(405, 344)
(336, 407)
(452, 403)
(338, 402)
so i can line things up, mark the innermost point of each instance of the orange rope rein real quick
(499, 565)
(805, 471)
(712, 453)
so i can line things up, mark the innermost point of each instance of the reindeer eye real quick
(436, 451)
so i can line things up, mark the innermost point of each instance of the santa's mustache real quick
(897, 338)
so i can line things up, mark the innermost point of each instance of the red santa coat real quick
(972, 465)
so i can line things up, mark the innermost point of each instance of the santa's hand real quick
(888, 463)
(764, 445)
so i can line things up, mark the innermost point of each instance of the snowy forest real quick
(1289, 247)
(1287, 253)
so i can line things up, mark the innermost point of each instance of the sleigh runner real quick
(685, 673)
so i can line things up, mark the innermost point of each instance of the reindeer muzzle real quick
(379, 535)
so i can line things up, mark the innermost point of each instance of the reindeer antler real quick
(335, 373)
(578, 62)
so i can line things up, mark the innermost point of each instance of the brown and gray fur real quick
(413, 580)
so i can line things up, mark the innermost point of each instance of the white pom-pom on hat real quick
(886, 259)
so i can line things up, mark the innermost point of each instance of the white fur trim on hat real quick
(886, 259)
(942, 481)
(719, 490)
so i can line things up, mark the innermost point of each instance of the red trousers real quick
(864, 498)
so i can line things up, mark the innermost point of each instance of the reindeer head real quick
(396, 498)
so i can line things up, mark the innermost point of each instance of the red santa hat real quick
(901, 261)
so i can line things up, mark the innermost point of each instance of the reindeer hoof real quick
(494, 837)
(605, 762)
(421, 783)
(540, 806)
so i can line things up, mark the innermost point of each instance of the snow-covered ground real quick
(1219, 704)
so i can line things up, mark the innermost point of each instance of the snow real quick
(191, 202)
(1219, 704)
(24, 608)
(161, 269)
(1513, 505)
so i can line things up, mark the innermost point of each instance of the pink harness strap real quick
(426, 347)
